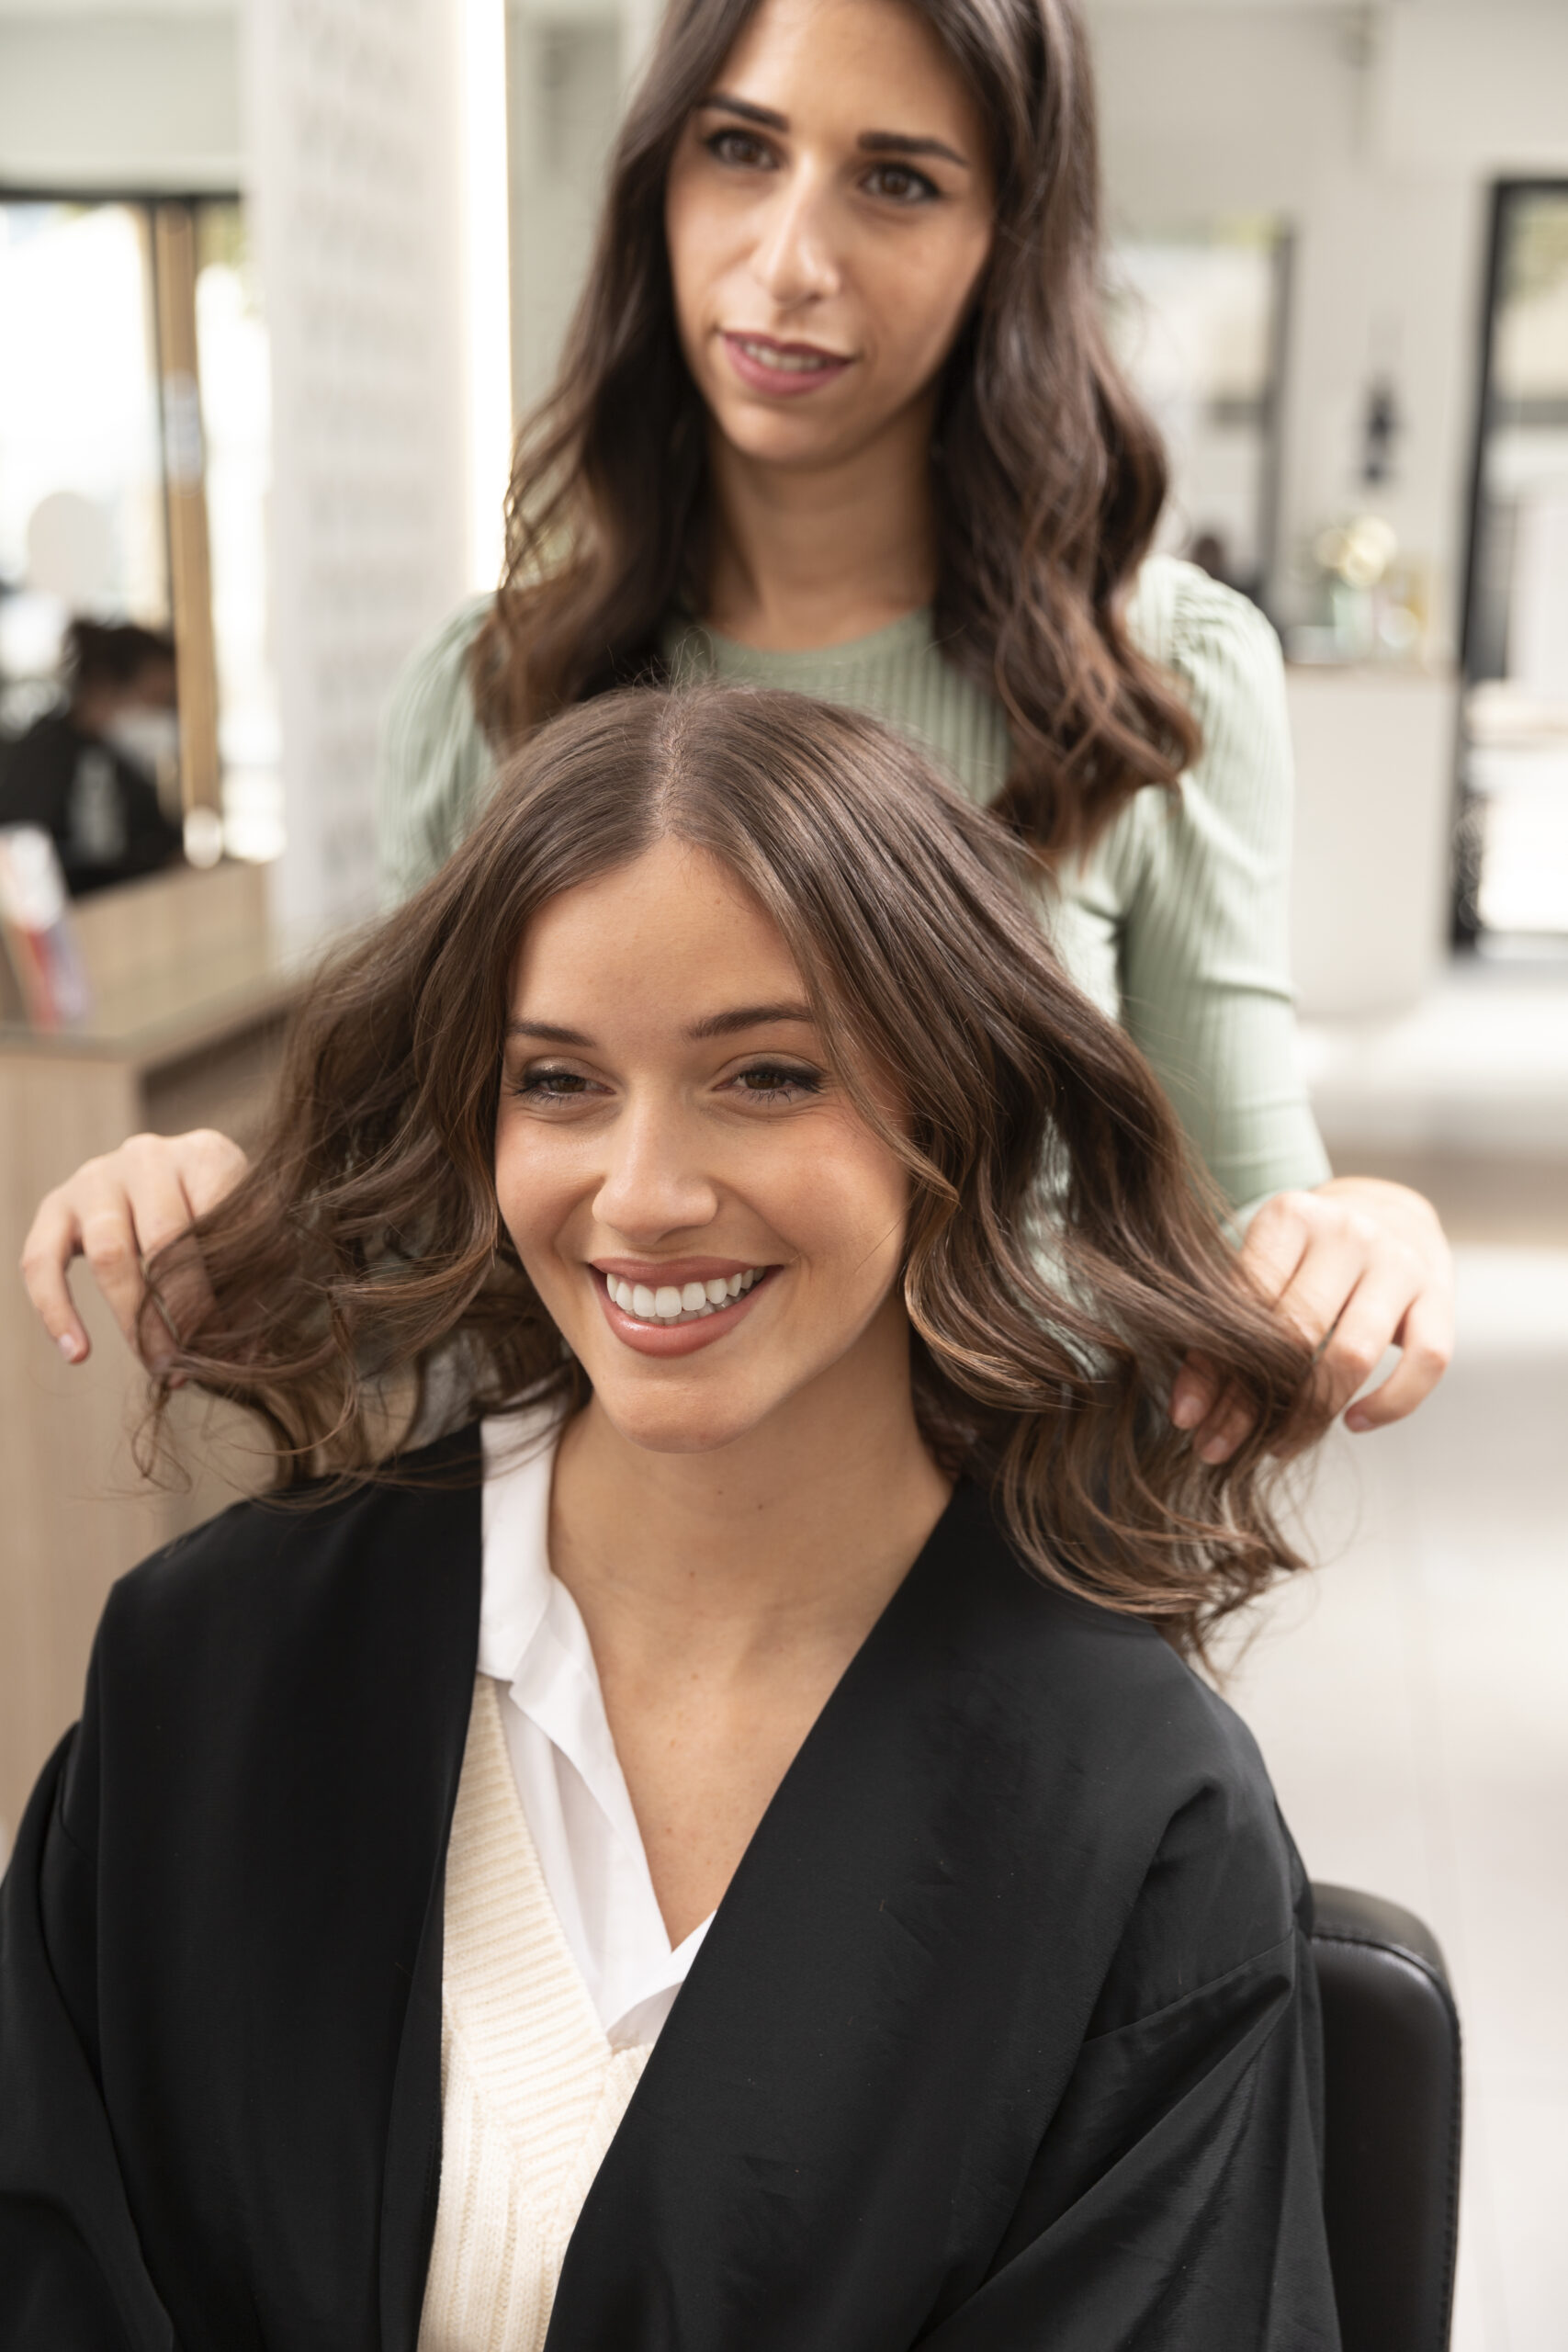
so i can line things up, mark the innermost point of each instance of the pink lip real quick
(674, 1339)
(760, 379)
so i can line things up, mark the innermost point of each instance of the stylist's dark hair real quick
(1048, 477)
(1062, 1257)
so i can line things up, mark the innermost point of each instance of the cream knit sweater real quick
(532, 2092)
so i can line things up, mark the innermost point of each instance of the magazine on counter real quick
(35, 928)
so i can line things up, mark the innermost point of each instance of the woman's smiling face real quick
(828, 216)
(705, 1214)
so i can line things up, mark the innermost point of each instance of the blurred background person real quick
(88, 771)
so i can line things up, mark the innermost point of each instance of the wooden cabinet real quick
(191, 996)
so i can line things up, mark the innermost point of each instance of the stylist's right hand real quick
(118, 1212)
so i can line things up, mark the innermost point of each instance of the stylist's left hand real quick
(1357, 1266)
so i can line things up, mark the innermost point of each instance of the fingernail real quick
(1186, 1412)
(71, 1347)
(1215, 1451)
(1356, 1421)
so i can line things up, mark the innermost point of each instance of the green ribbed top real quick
(1175, 921)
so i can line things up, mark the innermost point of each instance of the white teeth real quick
(789, 363)
(685, 1304)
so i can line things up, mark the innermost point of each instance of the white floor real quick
(1480, 1063)
(1412, 1700)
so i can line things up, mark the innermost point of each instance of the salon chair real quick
(1392, 2088)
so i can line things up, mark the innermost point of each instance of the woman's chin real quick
(670, 1427)
(783, 436)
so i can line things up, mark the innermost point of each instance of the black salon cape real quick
(1003, 2035)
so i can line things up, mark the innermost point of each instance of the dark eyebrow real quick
(548, 1033)
(870, 143)
(893, 143)
(748, 113)
(718, 1024)
(747, 1016)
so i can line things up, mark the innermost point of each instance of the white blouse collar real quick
(533, 1641)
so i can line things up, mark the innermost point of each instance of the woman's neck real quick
(794, 1536)
(726, 1590)
(809, 559)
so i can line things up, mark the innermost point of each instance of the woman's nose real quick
(656, 1182)
(795, 261)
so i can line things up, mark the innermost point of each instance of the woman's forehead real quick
(675, 929)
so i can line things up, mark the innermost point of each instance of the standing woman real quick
(837, 415)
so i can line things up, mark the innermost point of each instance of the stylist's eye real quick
(777, 1082)
(740, 147)
(901, 182)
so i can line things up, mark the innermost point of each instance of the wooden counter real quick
(191, 996)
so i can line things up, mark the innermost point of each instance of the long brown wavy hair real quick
(1062, 1255)
(1047, 477)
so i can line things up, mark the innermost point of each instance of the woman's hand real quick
(116, 1212)
(1357, 1266)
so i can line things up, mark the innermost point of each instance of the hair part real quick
(1047, 477)
(1062, 1255)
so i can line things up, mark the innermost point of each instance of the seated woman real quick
(723, 1847)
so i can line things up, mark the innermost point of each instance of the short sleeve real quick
(436, 765)
(1205, 950)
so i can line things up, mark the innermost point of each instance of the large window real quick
(1513, 889)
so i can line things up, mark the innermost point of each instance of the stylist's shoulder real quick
(436, 762)
(1226, 658)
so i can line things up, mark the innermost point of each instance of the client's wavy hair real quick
(1062, 1255)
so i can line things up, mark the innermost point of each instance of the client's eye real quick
(553, 1085)
(776, 1082)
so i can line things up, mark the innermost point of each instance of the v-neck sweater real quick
(532, 2092)
(1175, 921)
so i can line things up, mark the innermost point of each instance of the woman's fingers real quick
(1192, 1393)
(118, 1212)
(1268, 1257)
(88, 1217)
(1356, 1267)
(53, 1239)
(209, 1165)
(1425, 1341)
(1278, 1240)
(159, 1185)
(1227, 1426)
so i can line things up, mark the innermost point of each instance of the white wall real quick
(354, 152)
(565, 71)
(112, 97)
(1373, 133)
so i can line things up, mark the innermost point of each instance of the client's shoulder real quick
(1100, 1692)
(1129, 1753)
(266, 1569)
